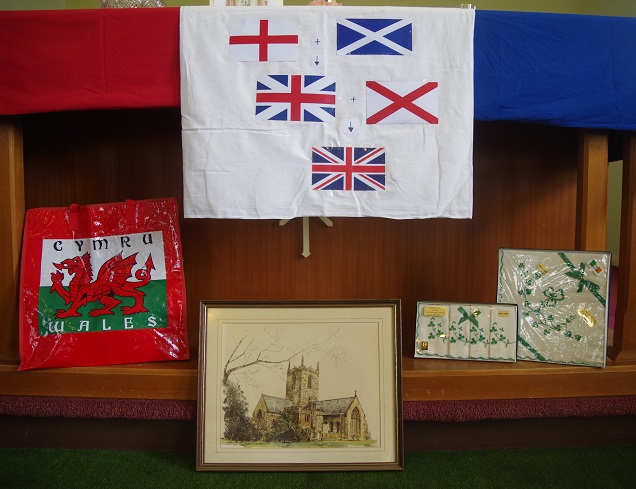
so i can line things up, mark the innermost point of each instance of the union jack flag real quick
(307, 98)
(347, 168)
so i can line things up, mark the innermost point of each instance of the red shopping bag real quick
(102, 284)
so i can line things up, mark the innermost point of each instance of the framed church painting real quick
(299, 386)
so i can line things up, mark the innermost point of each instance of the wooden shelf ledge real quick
(161, 380)
(422, 380)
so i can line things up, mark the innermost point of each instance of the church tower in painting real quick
(302, 383)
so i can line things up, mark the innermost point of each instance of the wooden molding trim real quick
(11, 221)
(625, 318)
(591, 221)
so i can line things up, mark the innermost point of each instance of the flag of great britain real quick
(307, 98)
(348, 168)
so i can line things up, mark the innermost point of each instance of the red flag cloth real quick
(89, 59)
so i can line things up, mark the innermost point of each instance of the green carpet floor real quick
(562, 468)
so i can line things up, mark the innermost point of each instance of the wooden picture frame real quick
(300, 386)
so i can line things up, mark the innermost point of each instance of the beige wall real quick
(626, 8)
(32, 4)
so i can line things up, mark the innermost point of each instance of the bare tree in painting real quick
(250, 353)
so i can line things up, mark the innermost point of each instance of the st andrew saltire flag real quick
(375, 36)
(348, 168)
(306, 98)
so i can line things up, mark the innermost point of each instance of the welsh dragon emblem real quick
(111, 282)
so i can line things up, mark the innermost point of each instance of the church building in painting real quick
(331, 419)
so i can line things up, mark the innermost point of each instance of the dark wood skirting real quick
(180, 436)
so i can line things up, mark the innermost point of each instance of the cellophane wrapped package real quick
(563, 303)
(102, 284)
(466, 331)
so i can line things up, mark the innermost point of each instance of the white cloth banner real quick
(314, 111)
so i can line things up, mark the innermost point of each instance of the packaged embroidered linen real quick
(463, 331)
(563, 303)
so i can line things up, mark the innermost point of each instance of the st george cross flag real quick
(263, 40)
(373, 117)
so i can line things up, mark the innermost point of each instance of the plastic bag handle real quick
(74, 216)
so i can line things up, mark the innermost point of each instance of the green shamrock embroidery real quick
(553, 296)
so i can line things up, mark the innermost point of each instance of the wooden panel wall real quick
(524, 196)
